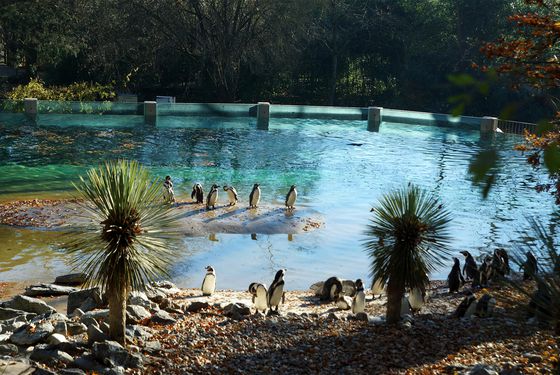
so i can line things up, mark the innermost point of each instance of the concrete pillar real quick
(263, 115)
(150, 113)
(374, 118)
(30, 106)
(488, 124)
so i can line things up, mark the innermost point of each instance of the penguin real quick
(485, 272)
(212, 197)
(344, 302)
(359, 301)
(209, 282)
(467, 307)
(405, 306)
(502, 253)
(530, 267)
(332, 288)
(275, 293)
(417, 298)
(259, 293)
(470, 269)
(291, 198)
(255, 196)
(499, 266)
(378, 288)
(168, 194)
(455, 278)
(197, 193)
(485, 306)
(232, 195)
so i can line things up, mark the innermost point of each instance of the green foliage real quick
(79, 91)
(408, 238)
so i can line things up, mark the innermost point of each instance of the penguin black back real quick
(328, 286)
(454, 279)
(470, 269)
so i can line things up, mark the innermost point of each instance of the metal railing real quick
(516, 127)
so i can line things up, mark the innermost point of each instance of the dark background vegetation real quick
(391, 53)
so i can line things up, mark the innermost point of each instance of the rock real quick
(49, 356)
(197, 306)
(104, 327)
(88, 363)
(97, 314)
(482, 369)
(75, 328)
(8, 349)
(332, 316)
(71, 347)
(44, 371)
(29, 304)
(344, 303)
(362, 316)
(5, 337)
(52, 317)
(16, 367)
(7, 313)
(156, 294)
(15, 326)
(140, 299)
(71, 279)
(89, 321)
(376, 320)
(86, 300)
(60, 327)
(77, 313)
(56, 338)
(118, 370)
(138, 332)
(136, 314)
(237, 310)
(162, 317)
(71, 371)
(113, 354)
(152, 347)
(48, 290)
(533, 358)
(166, 287)
(95, 335)
(31, 334)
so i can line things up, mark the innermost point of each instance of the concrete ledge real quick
(211, 109)
(425, 118)
(318, 112)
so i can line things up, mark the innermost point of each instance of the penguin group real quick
(197, 195)
(345, 294)
(268, 299)
(471, 306)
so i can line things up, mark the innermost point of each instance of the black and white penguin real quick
(485, 272)
(209, 282)
(260, 299)
(332, 289)
(275, 293)
(467, 307)
(359, 301)
(291, 198)
(417, 298)
(168, 194)
(232, 195)
(470, 269)
(255, 196)
(455, 278)
(485, 306)
(212, 197)
(504, 257)
(530, 267)
(197, 193)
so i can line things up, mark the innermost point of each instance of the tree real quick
(408, 239)
(125, 245)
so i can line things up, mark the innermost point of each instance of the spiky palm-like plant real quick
(125, 244)
(407, 239)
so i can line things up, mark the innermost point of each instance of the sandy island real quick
(195, 219)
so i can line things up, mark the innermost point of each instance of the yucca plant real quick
(408, 238)
(126, 242)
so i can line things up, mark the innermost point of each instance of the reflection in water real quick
(339, 180)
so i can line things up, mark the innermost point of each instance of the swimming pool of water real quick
(341, 170)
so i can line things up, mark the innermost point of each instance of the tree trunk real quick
(395, 293)
(117, 314)
(334, 74)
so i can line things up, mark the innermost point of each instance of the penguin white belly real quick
(291, 199)
(209, 284)
(359, 302)
(332, 292)
(213, 199)
(378, 288)
(256, 198)
(276, 296)
(260, 300)
(471, 309)
(416, 299)
(231, 197)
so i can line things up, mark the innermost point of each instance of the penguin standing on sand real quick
(455, 278)
(260, 299)
(212, 197)
(332, 288)
(470, 269)
(168, 194)
(232, 195)
(209, 282)
(275, 293)
(530, 267)
(255, 196)
(197, 193)
(291, 198)
(359, 301)
(485, 306)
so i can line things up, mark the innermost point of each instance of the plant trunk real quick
(117, 314)
(395, 293)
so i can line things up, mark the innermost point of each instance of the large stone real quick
(50, 356)
(196, 306)
(8, 349)
(7, 313)
(44, 371)
(140, 299)
(71, 347)
(88, 363)
(71, 279)
(112, 354)
(237, 310)
(60, 327)
(31, 334)
(152, 347)
(48, 290)
(86, 300)
(482, 369)
(89, 321)
(19, 367)
(136, 314)
(95, 334)
(167, 287)
(56, 338)
(138, 332)
(162, 317)
(156, 294)
(72, 371)
(53, 317)
(29, 304)
(75, 328)
(97, 314)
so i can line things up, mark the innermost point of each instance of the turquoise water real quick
(341, 170)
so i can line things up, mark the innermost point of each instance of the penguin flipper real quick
(283, 298)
